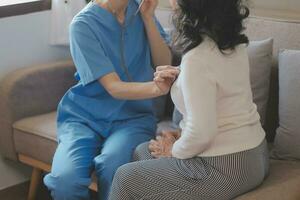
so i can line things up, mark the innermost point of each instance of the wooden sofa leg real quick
(34, 183)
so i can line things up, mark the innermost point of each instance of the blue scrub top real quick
(96, 44)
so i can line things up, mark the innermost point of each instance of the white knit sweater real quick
(214, 95)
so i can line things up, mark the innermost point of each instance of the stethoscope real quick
(124, 26)
(122, 49)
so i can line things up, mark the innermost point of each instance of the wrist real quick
(156, 90)
(170, 152)
(148, 19)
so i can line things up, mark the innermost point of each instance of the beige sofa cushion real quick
(36, 136)
(283, 183)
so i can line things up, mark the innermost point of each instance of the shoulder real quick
(199, 59)
(78, 24)
(83, 19)
(206, 49)
(208, 56)
(79, 28)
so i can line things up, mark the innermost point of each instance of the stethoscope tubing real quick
(122, 49)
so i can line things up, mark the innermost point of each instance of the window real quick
(13, 2)
(20, 7)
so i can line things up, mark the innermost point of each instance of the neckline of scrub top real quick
(106, 15)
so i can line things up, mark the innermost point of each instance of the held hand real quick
(165, 76)
(164, 86)
(148, 8)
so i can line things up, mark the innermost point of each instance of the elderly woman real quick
(220, 152)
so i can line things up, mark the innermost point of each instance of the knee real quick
(67, 186)
(142, 148)
(141, 152)
(126, 175)
(109, 163)
(122, 184)
(106, 166)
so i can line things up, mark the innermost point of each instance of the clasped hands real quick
(162, 146)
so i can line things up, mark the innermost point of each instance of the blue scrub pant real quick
(81, 150)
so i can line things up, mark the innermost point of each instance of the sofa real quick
(29, 98)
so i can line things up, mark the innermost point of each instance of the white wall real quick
(24, 42)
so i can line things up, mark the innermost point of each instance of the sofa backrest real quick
(30, 91)
(286, 35)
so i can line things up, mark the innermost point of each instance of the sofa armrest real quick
(31, 91)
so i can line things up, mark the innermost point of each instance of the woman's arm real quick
(200, 100)
(92, 64)
(136, 91)
(160, 51)
(129, 90)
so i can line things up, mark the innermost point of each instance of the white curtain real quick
(62, 14)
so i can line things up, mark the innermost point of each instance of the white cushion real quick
(260, 59)
(287, 140)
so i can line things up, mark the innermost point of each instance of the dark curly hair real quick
(221, 20)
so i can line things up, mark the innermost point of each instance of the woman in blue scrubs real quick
(109, 112)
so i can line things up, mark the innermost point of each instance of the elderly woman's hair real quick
(220, 20)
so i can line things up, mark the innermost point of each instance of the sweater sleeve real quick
(199, 94)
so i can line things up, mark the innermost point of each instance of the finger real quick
(152, 142)
(158, 138)
(166, 134)
(158, 75)
(175, 134)
(155, 154)
(165, 67)
(166, 74)
(153, 148)
(156, 151)
(154, 145)
(169, 133)
(160, 68)
(173, 70)
(170, 71)
(159, 79)
(169, 81)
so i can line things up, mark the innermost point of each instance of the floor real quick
(19, 192)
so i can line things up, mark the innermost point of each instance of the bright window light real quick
(12, 2)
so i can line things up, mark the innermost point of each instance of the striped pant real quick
(202, 178)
